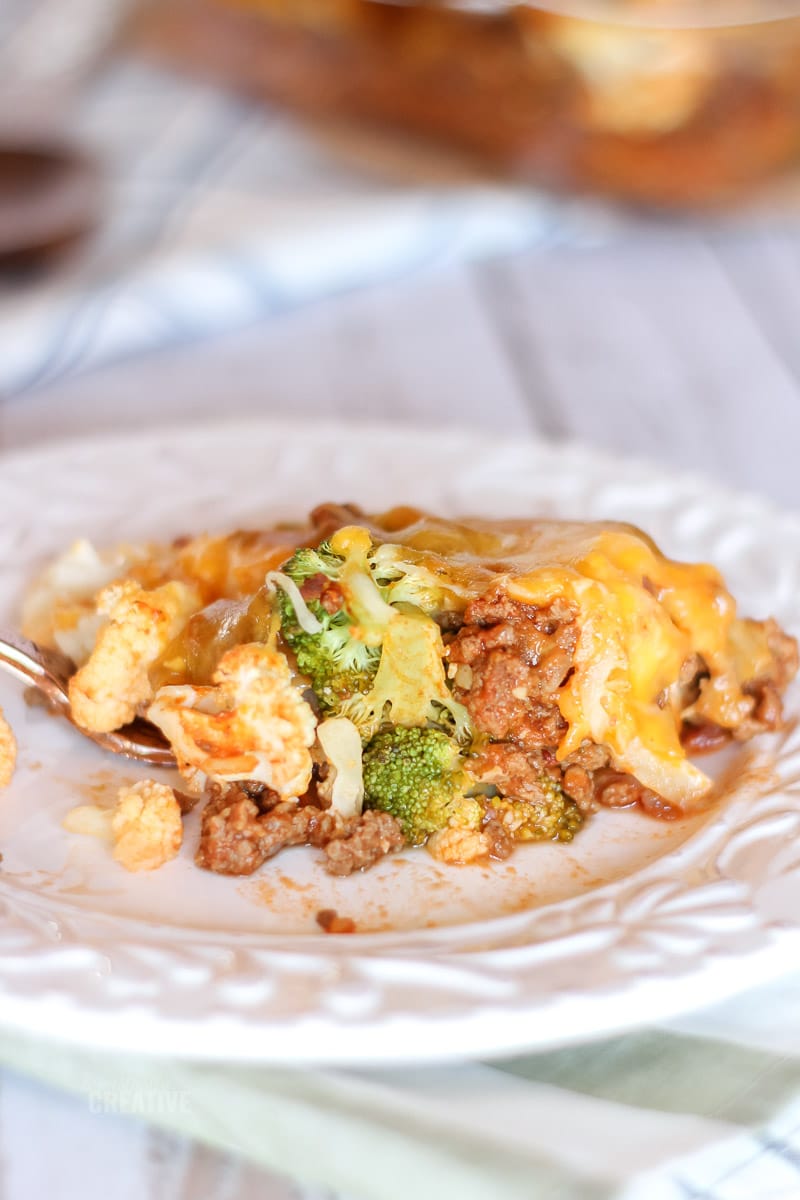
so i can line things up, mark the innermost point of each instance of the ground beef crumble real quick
(518, 657)
(766, 714)
(510, 662)
(374, 835)
(329, 921)
(500, 843)
(507, 662)
(327, 518)
(513, 771)
(703, 738)
(785, 655)
(326, 591)
(240, 831)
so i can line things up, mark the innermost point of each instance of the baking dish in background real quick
(628, 98)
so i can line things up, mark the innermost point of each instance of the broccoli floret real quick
(409, 686)
(369, 661)
(553, 818)
(410, 576)
(337, 665)
(307, 562)
(417, 775)
(338, 662)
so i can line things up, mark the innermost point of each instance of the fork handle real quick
(47, 670)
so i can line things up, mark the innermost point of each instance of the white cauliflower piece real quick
(146, 826)
(108, 690)
(60, 610)
(458, 845)
(8, 752)
(254, 724)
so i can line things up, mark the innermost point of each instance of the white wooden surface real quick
(681, 346)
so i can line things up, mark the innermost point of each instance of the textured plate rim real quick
(493, 1021)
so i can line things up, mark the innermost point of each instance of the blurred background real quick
(578, 223)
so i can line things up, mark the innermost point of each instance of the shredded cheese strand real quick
(305, 618)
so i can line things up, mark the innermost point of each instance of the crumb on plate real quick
(146, 826)
(329, 921)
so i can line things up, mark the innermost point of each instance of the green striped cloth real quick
(707, 1108)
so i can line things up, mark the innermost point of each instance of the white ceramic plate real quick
(633, 921)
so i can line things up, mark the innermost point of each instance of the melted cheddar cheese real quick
(640, 616)
(659, 642)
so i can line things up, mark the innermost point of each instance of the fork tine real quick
(46, 669)
(49, 671)
(141, 741)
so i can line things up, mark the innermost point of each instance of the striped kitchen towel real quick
(219, 211)
(707, 1108)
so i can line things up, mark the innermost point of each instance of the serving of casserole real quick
(362, 683)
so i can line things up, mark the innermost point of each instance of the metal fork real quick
(49, 671)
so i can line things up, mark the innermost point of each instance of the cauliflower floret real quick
(59, 610)
(458, 845)
(8, 752)
(253, 724)
(146, 826)
(108, 690)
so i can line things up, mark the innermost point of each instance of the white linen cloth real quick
(703, 1109)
